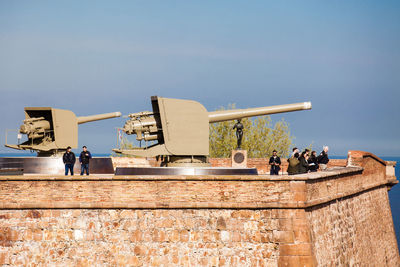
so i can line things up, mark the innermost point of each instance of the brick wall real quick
(338, 217)
(152, 237)
(356, 231)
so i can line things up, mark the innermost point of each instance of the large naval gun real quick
(181, 129)
(50, 131)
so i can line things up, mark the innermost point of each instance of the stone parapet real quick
(234, 192)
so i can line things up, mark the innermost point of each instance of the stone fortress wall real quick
(340, 217)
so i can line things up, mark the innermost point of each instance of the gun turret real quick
(35, 127)
(181, 128)
(50, 131)
(143, 125)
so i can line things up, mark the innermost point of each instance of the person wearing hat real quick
(275, 163)
(69, 161)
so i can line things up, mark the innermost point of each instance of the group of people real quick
(303, 162)
(69, 160)
(298, 163)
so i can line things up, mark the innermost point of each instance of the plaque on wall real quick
(239, 158)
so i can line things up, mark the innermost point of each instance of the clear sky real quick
(103, 56)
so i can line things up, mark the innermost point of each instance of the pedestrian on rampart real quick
(323, 158)
(84, 158)
(294, 151)
(275, 163)
(293, 167)
(303, 163)
(69, 161)
(313, 162)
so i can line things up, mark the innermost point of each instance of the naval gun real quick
(181, 129)
(50, 131)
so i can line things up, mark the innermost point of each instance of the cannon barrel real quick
(234, 114)
(97, 117)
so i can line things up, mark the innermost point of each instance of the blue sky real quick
(102, 56)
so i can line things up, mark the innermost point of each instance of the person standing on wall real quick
(303, 165)
(69, 161)
(275, 163)
(84, 158)
(294, 151)
(323, 158)
(312, 162)
(293, 167)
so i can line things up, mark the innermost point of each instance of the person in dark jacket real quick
(275, 163)
(84, 158)
(303, 164)
(294, 151)
(69, 161)
(313, 162)
(323, 158)
(293, 167)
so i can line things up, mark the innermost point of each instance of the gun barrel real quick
(104, 116)
(226, 115)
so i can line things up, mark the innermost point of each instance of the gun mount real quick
(50, 131)
(181, 129)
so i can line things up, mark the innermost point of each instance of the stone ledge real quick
(326, 199)
(355, 154)
(184, 192)
(332, 173)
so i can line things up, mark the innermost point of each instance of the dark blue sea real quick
(394, 193)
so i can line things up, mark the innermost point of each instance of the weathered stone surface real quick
(356, 231)
(141, 237)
